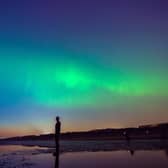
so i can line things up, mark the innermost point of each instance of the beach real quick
(85, 154)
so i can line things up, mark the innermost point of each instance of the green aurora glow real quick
(66, 83)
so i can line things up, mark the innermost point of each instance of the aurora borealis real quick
(96, 64)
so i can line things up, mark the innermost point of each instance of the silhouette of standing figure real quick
(57, 132)
(126, 134)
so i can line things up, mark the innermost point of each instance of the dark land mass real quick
(157, 131)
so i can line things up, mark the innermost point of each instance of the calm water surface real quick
(117, 159)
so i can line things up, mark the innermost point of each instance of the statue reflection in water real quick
(132, 152)
(57, 158)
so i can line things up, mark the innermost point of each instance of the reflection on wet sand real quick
(57, 157)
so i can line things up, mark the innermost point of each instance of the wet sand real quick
(87, 154)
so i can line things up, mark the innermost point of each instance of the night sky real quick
(96, 63)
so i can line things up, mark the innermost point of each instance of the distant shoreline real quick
(157, 131)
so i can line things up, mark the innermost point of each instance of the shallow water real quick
(16, 148)
(35, 157)
(117, 159)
